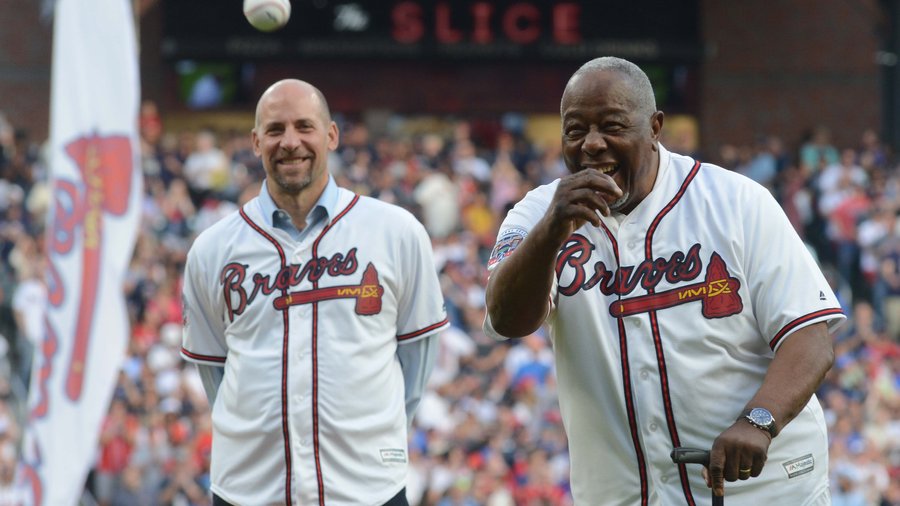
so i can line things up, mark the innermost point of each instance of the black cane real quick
(696, 456)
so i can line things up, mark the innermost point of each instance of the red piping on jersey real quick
(657, 340)
(626, 381)
(799, 321)
(404, 337)
(315, 356)
(285, 430)
(205, 358)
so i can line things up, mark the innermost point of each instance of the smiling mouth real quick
(293, 160)
(603, 169)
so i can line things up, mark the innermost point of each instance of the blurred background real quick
(450, 109)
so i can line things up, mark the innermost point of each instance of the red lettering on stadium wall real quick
(478, 22)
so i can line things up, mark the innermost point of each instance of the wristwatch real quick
(761, 418)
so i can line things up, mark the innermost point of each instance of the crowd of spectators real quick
(488, 431)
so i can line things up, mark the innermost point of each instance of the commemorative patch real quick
(506, 244)
(799, 466)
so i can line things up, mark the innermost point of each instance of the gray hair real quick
(643, 96)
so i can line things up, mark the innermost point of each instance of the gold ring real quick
(745, 471)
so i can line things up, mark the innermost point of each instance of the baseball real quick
(267, 15)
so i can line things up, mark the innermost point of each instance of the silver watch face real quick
(761, 417)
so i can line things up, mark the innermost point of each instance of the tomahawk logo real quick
(718, 294)
(105, 189)
(367, 293)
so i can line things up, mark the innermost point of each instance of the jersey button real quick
(664, 479)
(637, 323)
(653, 427)
(645, 374)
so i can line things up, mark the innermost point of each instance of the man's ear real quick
(656, 124)
(334, 136)
(255, 139)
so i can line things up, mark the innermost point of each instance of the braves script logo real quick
(718, 292)
(367, 293)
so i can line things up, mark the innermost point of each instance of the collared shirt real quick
(315, 220)
(319, 343)
(417, 358)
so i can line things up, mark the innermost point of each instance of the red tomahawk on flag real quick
(367, 294)
(105, 164)
(717, 293)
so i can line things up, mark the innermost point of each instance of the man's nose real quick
(291, 139)
(594, 142)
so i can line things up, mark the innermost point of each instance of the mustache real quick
(285, 155)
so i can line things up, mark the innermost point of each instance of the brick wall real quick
(25, 48)
(783, 66)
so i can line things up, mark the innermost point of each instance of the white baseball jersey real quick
(664, 323)
(311, 407)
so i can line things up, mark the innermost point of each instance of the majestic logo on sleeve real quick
(367, 293)
(717, 293)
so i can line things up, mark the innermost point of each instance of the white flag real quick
(92, 226)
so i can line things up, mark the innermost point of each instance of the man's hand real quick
(784, 392)
(518, 290)
(739, 453)
(578, 199)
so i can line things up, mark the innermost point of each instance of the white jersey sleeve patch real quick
(506, 244)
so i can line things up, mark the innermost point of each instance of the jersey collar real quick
(664, 156)
(321, 211)
(661, 170)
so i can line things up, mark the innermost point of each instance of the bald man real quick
(313, 315)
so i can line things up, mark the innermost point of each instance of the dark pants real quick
(397, 500)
